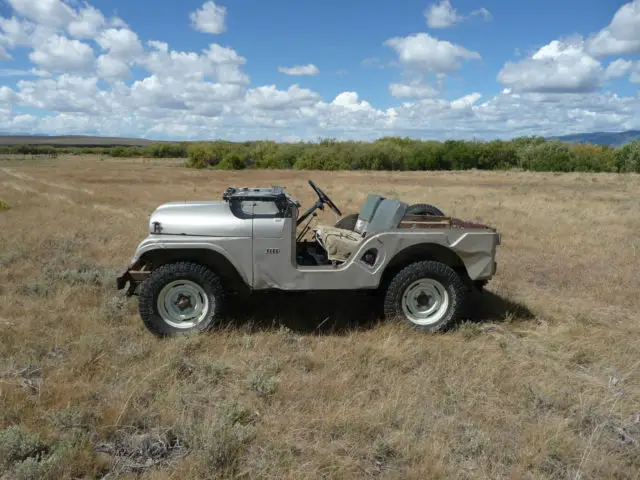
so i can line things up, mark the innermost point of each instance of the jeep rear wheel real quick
(180, 297)
(429, 295)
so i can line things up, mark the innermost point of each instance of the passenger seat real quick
(340, 243)
(367, 211)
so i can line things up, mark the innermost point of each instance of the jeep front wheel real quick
(429, 295)
(180, 297)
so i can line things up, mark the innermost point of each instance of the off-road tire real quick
(163, 275)
(424, 209)
(442, 273)
(348, 222)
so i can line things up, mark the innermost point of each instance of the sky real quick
(301, 70)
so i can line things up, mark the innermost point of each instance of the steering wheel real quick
(325, 199)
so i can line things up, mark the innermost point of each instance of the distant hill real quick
(613, 139)
(72, 141)
(598, 138)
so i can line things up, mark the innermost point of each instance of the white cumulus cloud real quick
(351, 101)
(618, 68)
(443, 15)
(309, 69)
(634, 77)
(7, 95)
(423, 53)
(216, 62)
(269, 97)
(559, 66)
(123, 48)
(112, 68)
(20, 33)
(467, 101)
(13, 72)
(121, 43)
(621, 36)
(67, 93)
(50, 13)
(60, 54)
(209, 18)
(412, 90)
(86, 23)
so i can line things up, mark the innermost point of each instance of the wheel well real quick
(217, 262)
(428, 251)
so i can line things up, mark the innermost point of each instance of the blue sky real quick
(286, 70)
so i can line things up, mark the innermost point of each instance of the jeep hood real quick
(211, 219)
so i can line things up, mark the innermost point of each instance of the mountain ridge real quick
(74, 141)
(613, 139)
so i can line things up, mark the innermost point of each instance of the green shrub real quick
(593, 158)
(231, 162)
(17, 445)
(425, 156)
(387, 153)
(166, 150)
(554, 156)
(125, 152)
(198, 156)
(628, 158)
(497, 155)
(460, 155)
(263, 154)
(387, 156)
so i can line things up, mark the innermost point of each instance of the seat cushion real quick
(337, 242)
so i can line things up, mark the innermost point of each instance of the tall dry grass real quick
(542, 382)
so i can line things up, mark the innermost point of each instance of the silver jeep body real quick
(250, 238)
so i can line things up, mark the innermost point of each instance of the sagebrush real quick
(388, 153)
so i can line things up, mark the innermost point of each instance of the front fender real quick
(235, 250)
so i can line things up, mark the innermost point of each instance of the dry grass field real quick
(542, 382)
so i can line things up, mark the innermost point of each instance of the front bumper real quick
(123, 278)
(133, 277)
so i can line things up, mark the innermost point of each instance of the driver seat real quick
(341, 243)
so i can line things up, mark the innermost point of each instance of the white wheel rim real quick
(425, 301)
(183, 304)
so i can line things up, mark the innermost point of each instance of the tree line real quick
(388, 153)
(154, 150)
(392, 153)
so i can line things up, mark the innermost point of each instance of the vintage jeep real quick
(196, 253)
